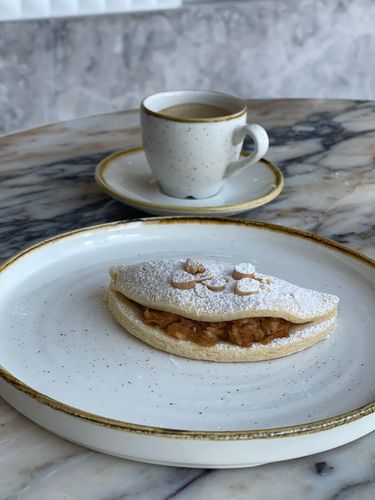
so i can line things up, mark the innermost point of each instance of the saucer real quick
(126, 176)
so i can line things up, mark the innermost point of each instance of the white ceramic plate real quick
(126, 176)
(67, 365)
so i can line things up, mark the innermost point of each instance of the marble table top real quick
(326, 150)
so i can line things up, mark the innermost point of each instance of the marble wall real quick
(57, 69)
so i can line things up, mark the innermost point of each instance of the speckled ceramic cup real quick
(191, 156)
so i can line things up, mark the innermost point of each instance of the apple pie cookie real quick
(218, 311)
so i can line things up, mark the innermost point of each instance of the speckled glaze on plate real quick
(126, 176)
(68, 366)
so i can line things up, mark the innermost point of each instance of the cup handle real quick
(261, 142)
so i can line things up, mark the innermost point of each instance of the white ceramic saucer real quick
(126, 176)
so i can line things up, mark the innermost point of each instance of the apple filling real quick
(241, 332)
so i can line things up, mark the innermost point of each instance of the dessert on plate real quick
(214, 310)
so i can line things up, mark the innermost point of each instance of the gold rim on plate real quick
(214, 209)
(272, 433)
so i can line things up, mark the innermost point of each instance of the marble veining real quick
(326, 151)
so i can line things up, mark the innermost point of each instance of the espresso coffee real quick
(195, 110)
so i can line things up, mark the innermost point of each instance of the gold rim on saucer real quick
(214, 209)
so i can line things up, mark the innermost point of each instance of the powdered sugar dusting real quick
(150, 284)
(245, 268)
(215, 284)
(183, 278)
(202, 290)
(246, 286)
(194, 266)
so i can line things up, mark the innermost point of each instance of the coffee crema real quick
(195, 110)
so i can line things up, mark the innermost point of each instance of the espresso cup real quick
(192, 140)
